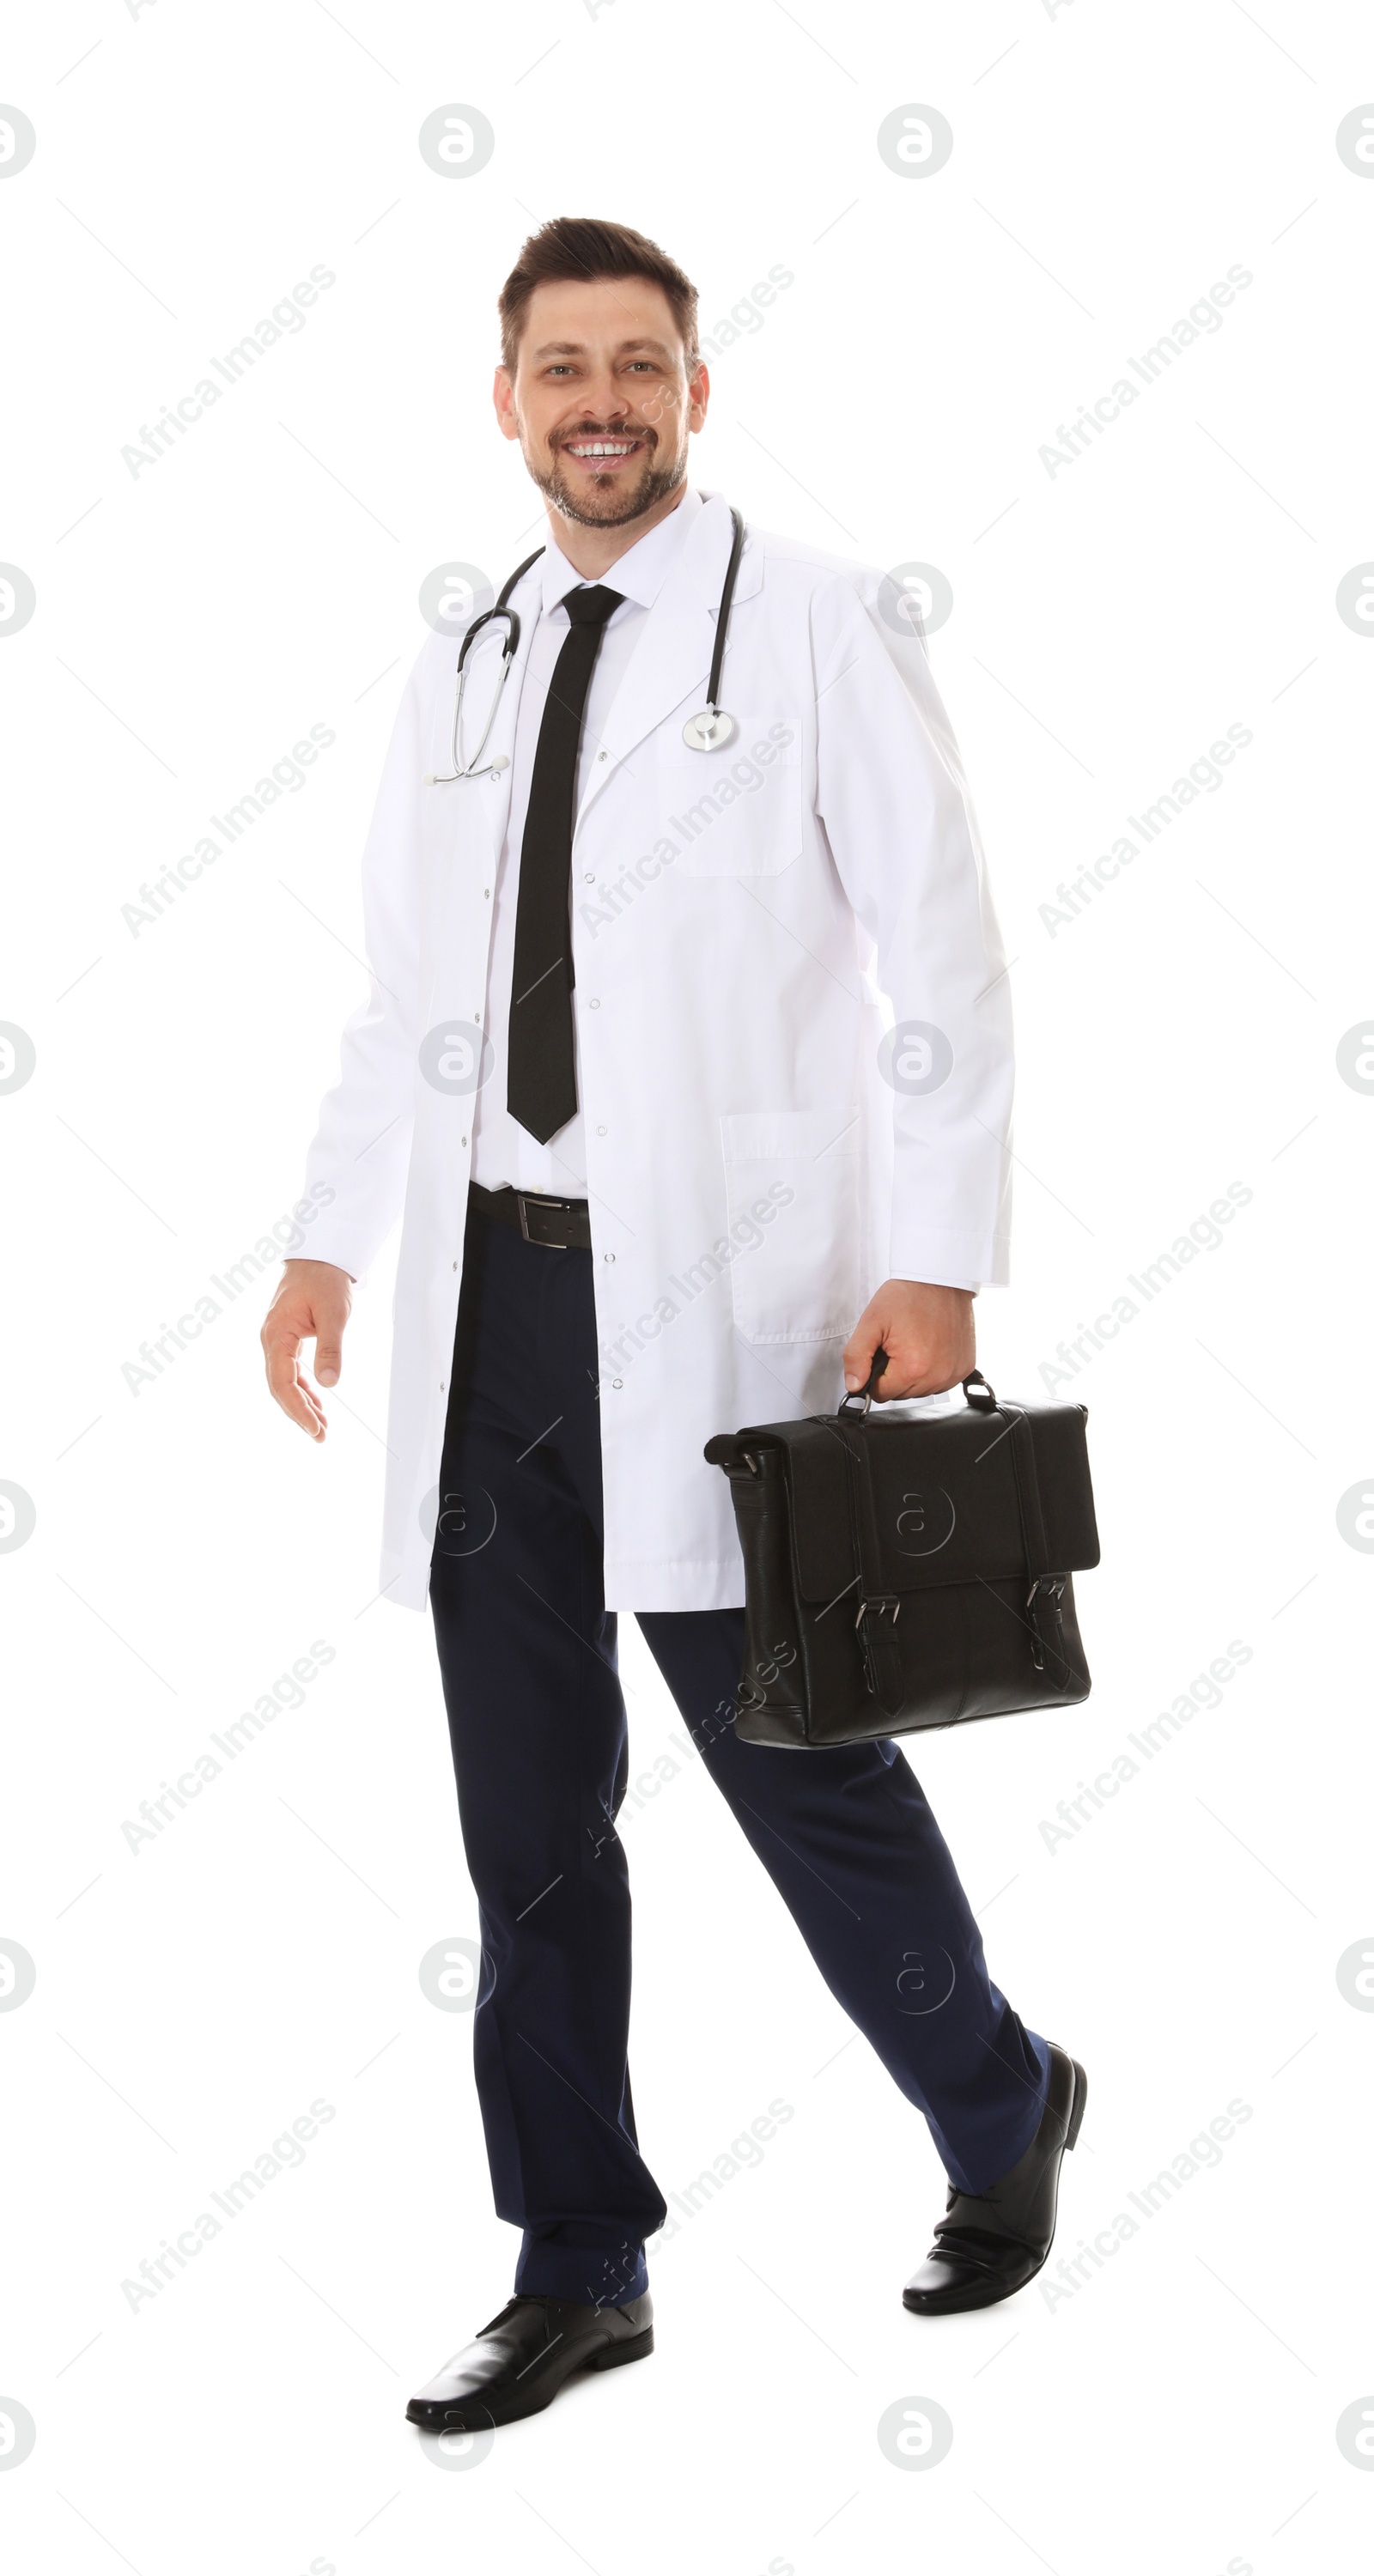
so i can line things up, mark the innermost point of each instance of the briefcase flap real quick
(944, 1491)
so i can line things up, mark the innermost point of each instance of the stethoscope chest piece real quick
(709, 731)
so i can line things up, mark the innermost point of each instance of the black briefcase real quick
(906, 1572)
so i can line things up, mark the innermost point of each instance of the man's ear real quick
(503, 396)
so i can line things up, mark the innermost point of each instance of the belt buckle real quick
(523, 1199)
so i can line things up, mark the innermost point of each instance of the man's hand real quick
(926, 1331)
(312, 1303)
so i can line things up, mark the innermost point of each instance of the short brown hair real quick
(582, 247)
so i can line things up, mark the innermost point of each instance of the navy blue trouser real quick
(527, 1652)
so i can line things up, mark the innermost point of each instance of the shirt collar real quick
(639, 574)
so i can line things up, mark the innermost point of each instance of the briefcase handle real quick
(975, 1387)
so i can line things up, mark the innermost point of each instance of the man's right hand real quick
(312, 1303)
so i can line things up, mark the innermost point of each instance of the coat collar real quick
(673, 654)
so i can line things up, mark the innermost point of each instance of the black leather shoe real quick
(520, 2361)
(990, 2243)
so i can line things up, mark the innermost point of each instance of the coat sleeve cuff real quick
(339, 1245)
(927, 1279)
(949, 1260)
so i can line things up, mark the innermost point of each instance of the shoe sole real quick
(611, 2356)
(994, 2297)
(635, 2348)
(1080, 2104)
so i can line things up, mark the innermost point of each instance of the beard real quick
(608, 503)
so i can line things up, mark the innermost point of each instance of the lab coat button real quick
(601, 1131)
(617, 1381)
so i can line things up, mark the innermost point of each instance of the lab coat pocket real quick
(792, 1193)
(736, 812)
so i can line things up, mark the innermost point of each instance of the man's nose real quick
(603, 400)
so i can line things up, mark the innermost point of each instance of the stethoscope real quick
(711, 730)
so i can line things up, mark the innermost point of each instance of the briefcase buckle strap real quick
(877, 1621)
(1046, 1624)
(882, 1605)
(882, 1661)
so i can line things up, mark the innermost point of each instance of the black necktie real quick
(541, 1081)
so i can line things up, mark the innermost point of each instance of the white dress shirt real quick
(504, 1152)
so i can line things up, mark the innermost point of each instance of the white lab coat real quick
(752, 1174)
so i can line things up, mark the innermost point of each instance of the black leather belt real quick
(561, 1225)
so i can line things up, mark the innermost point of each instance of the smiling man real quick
(600, 478)
(622, 1067)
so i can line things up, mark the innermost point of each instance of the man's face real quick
(601, 400)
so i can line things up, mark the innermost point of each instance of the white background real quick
(1109, 622)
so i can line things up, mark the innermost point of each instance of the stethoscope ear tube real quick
(723, 613)
(519, 575)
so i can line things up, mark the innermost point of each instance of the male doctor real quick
(620, 1072)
